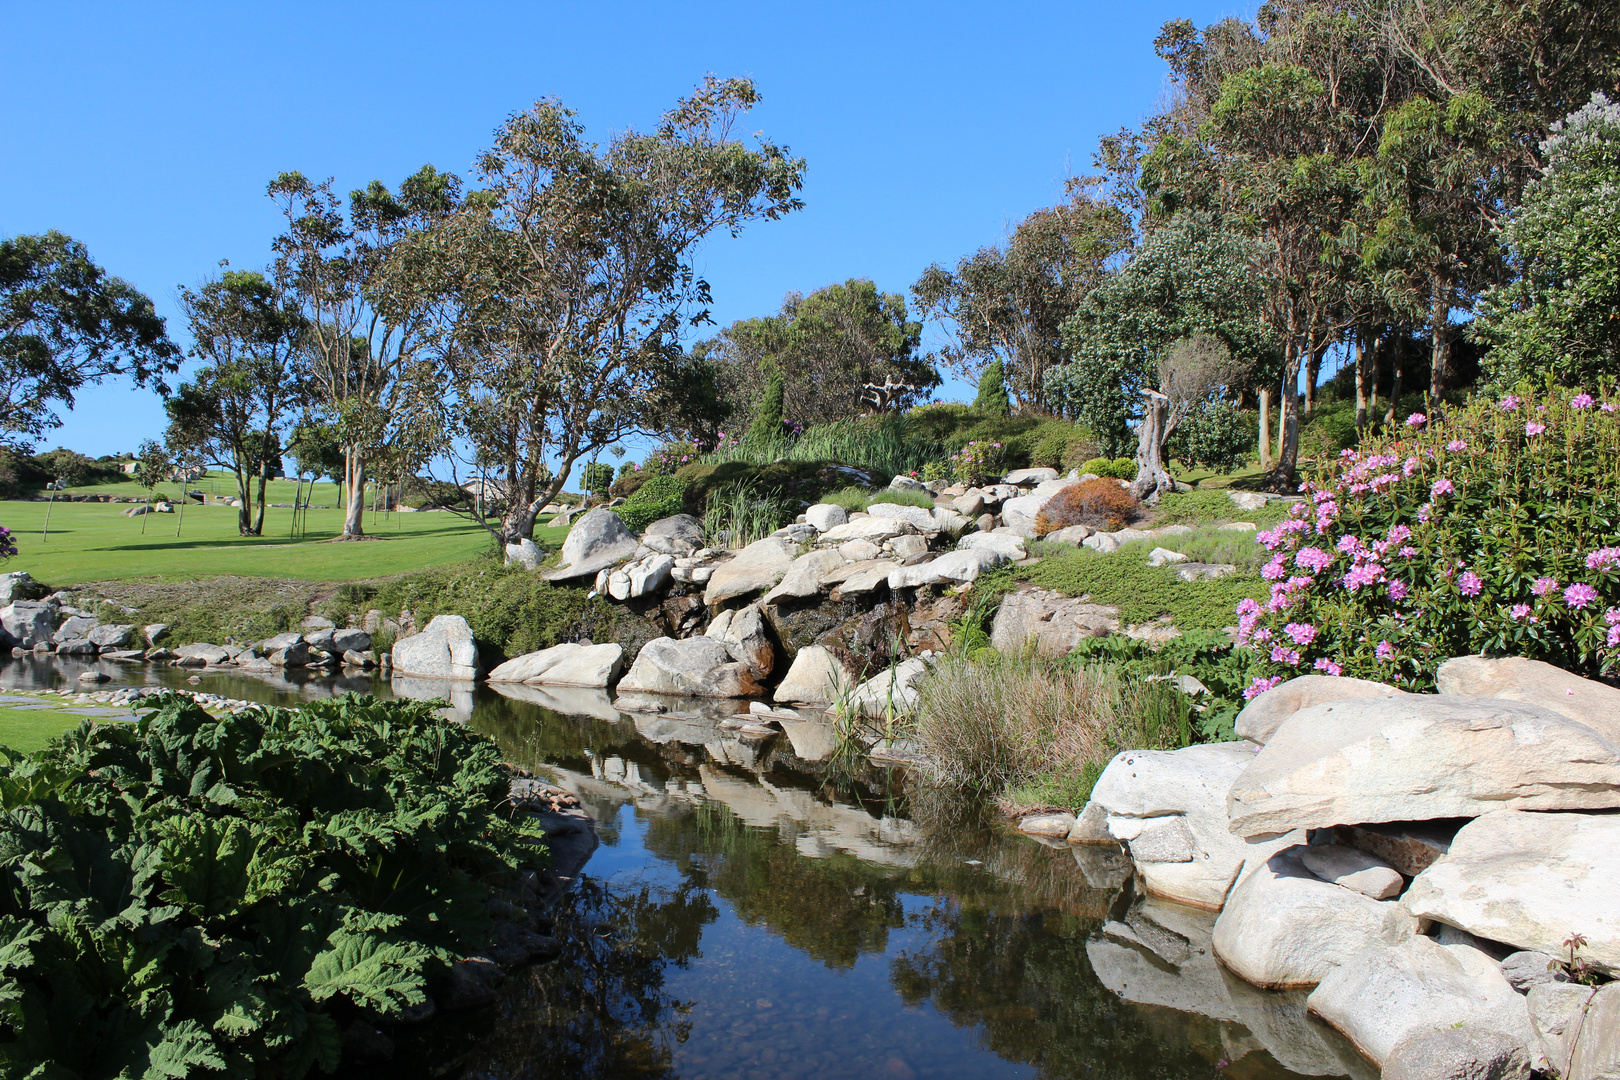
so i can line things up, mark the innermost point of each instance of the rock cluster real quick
(1416, 862)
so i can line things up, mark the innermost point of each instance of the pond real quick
(756, 910)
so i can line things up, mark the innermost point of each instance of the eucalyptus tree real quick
(365, 324)
(65, 323)
(561, 287)
(232, 411)
(1008, 303)
(825, 347)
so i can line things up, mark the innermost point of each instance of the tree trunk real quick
(1394, 390)
(1288, 436)
(258, 517)
(244, 499)
(1439, 339)
(1265, 428)
(1361, 381)
(1313, 370)
(354, 480)
(1152, 478)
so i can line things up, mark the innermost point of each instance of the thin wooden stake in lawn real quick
(180, 518)
(292, 530)
(45, 534)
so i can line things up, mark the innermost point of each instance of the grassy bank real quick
(95, 542)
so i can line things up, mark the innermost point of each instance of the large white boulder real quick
(813, 679)
(596, 541)
(1283, 927)
(568, 664)
(443, 650)
(1512, 677)
(525, 553)
(1019, 514)
(743, 632)
(1530, 880)
(951, 566)
(917, 517)
(678, 535)
(1418, 985)
(697, 666)
(1029, 477)
(1262, 716)
(756, 568)
(867, 527)
(1420, 757)
(1055, 622)
(894, 689)
(28, 622)
(1006, 544)
(803, 578)
(1457, 1054)
(1169, 809)
(825, 516)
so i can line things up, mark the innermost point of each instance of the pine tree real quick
(768, 419)
(992, 397)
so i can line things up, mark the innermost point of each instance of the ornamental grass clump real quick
(1099, 503)
(1490, 528)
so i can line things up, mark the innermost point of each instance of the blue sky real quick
(149, 131)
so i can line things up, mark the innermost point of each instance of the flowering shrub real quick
(979, 463)
(1488, 529)
(664, 460)
(1100, 503)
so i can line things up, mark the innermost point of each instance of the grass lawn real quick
(95, 542)
(217, 482)
(30, 729)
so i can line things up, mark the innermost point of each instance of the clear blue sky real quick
(149, 131)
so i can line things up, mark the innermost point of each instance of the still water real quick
(756, 911)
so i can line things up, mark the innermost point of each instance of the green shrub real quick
(1215, 436)
(596, 477)
(992, 396)
(1487, 529)
(1206, 655)
(766, 429)
(1057, 441)
(1110, 468)
(854, 500)
(904, 498)
(1080, 449)
(1212, 506)
(192, 895)
(657, 497)
(979, 463)
(935, 470)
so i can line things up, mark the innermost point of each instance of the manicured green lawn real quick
(95, 542)
(217, 482)
(30, 729)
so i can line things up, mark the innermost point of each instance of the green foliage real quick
(979, 463)
(1487, 529)
(659, 497)
(992, 396)
(881, 447)
(1212, 506)
(1114, 468)
(766, 428)
(852, 499)
(193, 894)
(1216, 435)
(596, 477)
(1562, 313)
(904, 498)
(1330, 428)
(1143, 593)
(739, 513)
(1206, 655)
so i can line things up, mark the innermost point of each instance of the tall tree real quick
(64, 323)
(232, 411)
(365, 324)
(1009, 302)
(562, 286)
(826, 347)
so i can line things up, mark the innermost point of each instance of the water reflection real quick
(755, 912)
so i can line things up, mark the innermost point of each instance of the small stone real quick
(1055, 825)
(1164, 557)
(1353, 870)
(1526, 970)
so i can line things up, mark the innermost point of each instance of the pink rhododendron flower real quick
(1545, 586)
(1281, 655)
(1249, 606)
(1440, 487)
(1519, 611)
(1469, 584)
(1324, 664)
(1260, 686)
(1581, 401)
(1603, 559)
(1417, 419)
(1533, 428)
(1312, 559)
(1397, 589)
(1262, 635)
(1408, 551)
(1301, 633)
(1456, 446)
(1274, 570)
(1510, 402)
(1348, 543)
(1607, 406)
(1579, 595)
(1385, 651)
(1362, 574)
